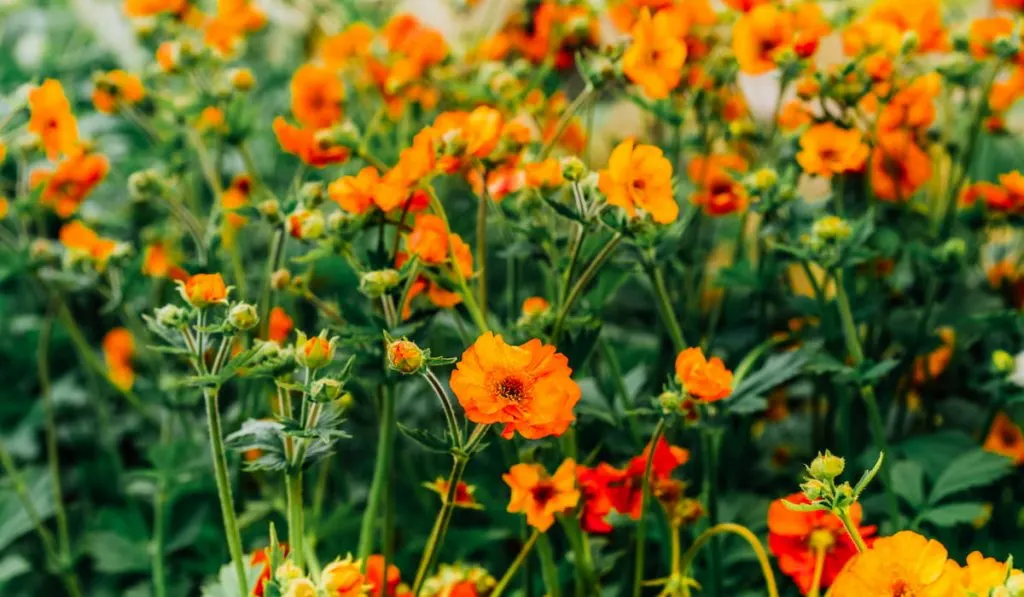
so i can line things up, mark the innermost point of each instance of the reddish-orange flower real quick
(356, 194)
(317, 96)
(793, 116)
(381, 585)
(932, 365)
(903, 564)
(898, 167)
(759, 36)
(595, 497)
(203, 290)
(66, 187)
(429, 241)
(797, 539)
(149, 8)
(625, 486)
(639, 177)
(1005, 438)
(51, 119)
(354, 42)
(158, 263)
(81, 239)
(117, 88)
(654, 60)
(464, 497)
(1013, 184)
(233, 19)
(993, 196)
(303, 142)
(482, 131)
(912, 107)
(279, 326)
(535, 305)
(985, 31)
(705, 379)
(118, 352)
(826, 149)
(528, 388)
(540, 496)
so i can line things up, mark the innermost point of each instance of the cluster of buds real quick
(827, 238)
(822, 491)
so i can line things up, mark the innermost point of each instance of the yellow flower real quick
(640, 177)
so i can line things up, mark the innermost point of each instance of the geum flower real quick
(527, 388)
(655, 58)
(898, 166)
(66, 187)
(798, 539)
(625, 486)
(706, 380)
(51, 119)
(639, 177)
(540, 496)
(826, 149)
(902, 565)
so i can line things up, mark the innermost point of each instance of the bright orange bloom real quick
(356, 194)
(261, 559)
(482, 130)
(168, 55)
(203, 290)
(303, 142)
(428, 239)
(233, 19)
(1005, 438)
(343, 578)
(544, 175)
(280, 325)
(66, 187)
(354, 42)
(535, 305)
(414, 48)
(795, 538)
(931, 366)
(913, 107)
(212, 119)
(51, 119)
(826, 149)
(378, 584)
(317, 96)
(994, 196)
(759, 36)
(5, 207)
(625, 13)
(721, 194)
(234, 198)
(625, 486)
(793, 116)
(903, 564)
(528, 388)
(923, 17)
(898, 167)
(157, 263)
(117, 88)
(744, 5)
(540, 496)
(640, 177)
(79, 238)
(982, 576)
(149, 8)
(463, 493)
(705, 379)
(118, 352)
(654, 60)
(985, 31)
(1013, 184)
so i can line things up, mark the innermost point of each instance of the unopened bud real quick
(287, 572)
(326, 389)
(312, 194)
(826, 466)
(280, 279)
(270, 209)
(1003, 362)
(144, 184)
(243, 316)
(670, 402)
(573, 169)
(376, 283)
(404, 356)
(831, 228)
(171, 316)
(910, 42)
(307, 225)
(814, 490)
(952, 250)
(43, 250)
(315, 352)
(241, 79)
(765, 178)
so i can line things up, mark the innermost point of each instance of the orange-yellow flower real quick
(66, 187)
(1005, 438)
(535, 305)
(232, 20)
(1013, 185)
(212, 119)
(5, 207)
(430, 241)
(892, 19)
(898, 167)
(759, 36)
(903, 564)
(793, 116)
(639, 177)
(985, 31)
(354, 42)
(203, 290)
(705, 379)
(463, 493)
(912, 107)
(932, 365)
(343, 578)
(356, 194)
(118, 352)
(81, 239)
(982, 576)
(655, 58)
(117, 88)
(540, 496)
(303, 142)
(546, 174)
(317, 96)
(280, 325)
(826, 149)
(168, 55)
(158, 263)
(149, 8)
(482, 130)
(51, 118)
(528, 388)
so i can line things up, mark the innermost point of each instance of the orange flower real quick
(595, 497)
(51, 119)
(826, 149)
(544, 175)
(529, 387)
(81, 239)
(903, 564)
(625, 486)
(342, 578)
(157, 263)
(1013, 184)
(995, 197)
(796, 539)
(721, 196)
(212, 119)
(168, 55)
(640, 177)
(149, 8)
(540, 496)
(203, 290)
(302, 142)
(1005, 438)
(116, 88)
(922, 17)
(982, 576)
(280, 325)
(624, 13)
(317, 96)
(793, 116)
(427, 240)
(898, 167)
(759, 36)
(535, 305)
(654, 60)
(4, 207)
(118, 351)
(912, 107)
(66, 187)
(482, 130)
(356, 194)
(985, 31)
(707, 380)
(380, 585)
(932, 365)
(463, 493)
(354, 42)
(233, 19)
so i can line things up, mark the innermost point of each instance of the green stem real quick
(382, 466)
(273, 262)
(514, 567)
(481, 249)
(548, 567)
(819, 568)
(467, 297)
(50, 419)
(750, 538)
(856, 351)
(668, 314)
(641, 527)
(446, 405)
(709, 456)
(220, 468)
(563, 122)
(160, 518)
(581, 284)
(441, 523)
(851, 529)
(296, 528)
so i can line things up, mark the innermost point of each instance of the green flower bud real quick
(573, 169)
(312, 194)
(826, 466)
(765, 178)
(243, 316)
(830, 228)
(376, 283)
(327, 389)
(270, 209)
(1003, 362)
(315, 352)
(814, 490)
(670, 402)
(405, 356)
(171, 316)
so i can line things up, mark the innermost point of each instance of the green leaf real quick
(14, 521)
(908, 482)
(748, 397)
(425, 439)
(948, 515)
(976, 468)
(226, 584)
(563, 210)
(117, 554)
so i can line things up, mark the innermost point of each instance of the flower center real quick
(543, 492)
(900, 588)
(512, 389)
(821, 539)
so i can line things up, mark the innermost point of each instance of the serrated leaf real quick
(425, 439)
(948, 515)
(976, 468)
(748, 397)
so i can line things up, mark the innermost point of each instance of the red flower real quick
(596, 502)
(626, 485)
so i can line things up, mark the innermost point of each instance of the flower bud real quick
(243, 316)
(315, 352)
(342, 577)
(844, 492)
(830, 228)
(404, 356)
(171, 316)
(376, 283)
(814, 490)
(910, 42)
(573, 169)
(144, 184)
(204, 290)
(960, 42)
(670, 402)
(325, 390)
(307, 225)
(287, 572)
(345, 401)
(952, 250)
(765, 178)
(270, 209)
(312, 194)
(280, 279)
(241, 79)
(43, 250)
(303, 587)
(826, 466)
(1005, 47)
(1003, 362)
